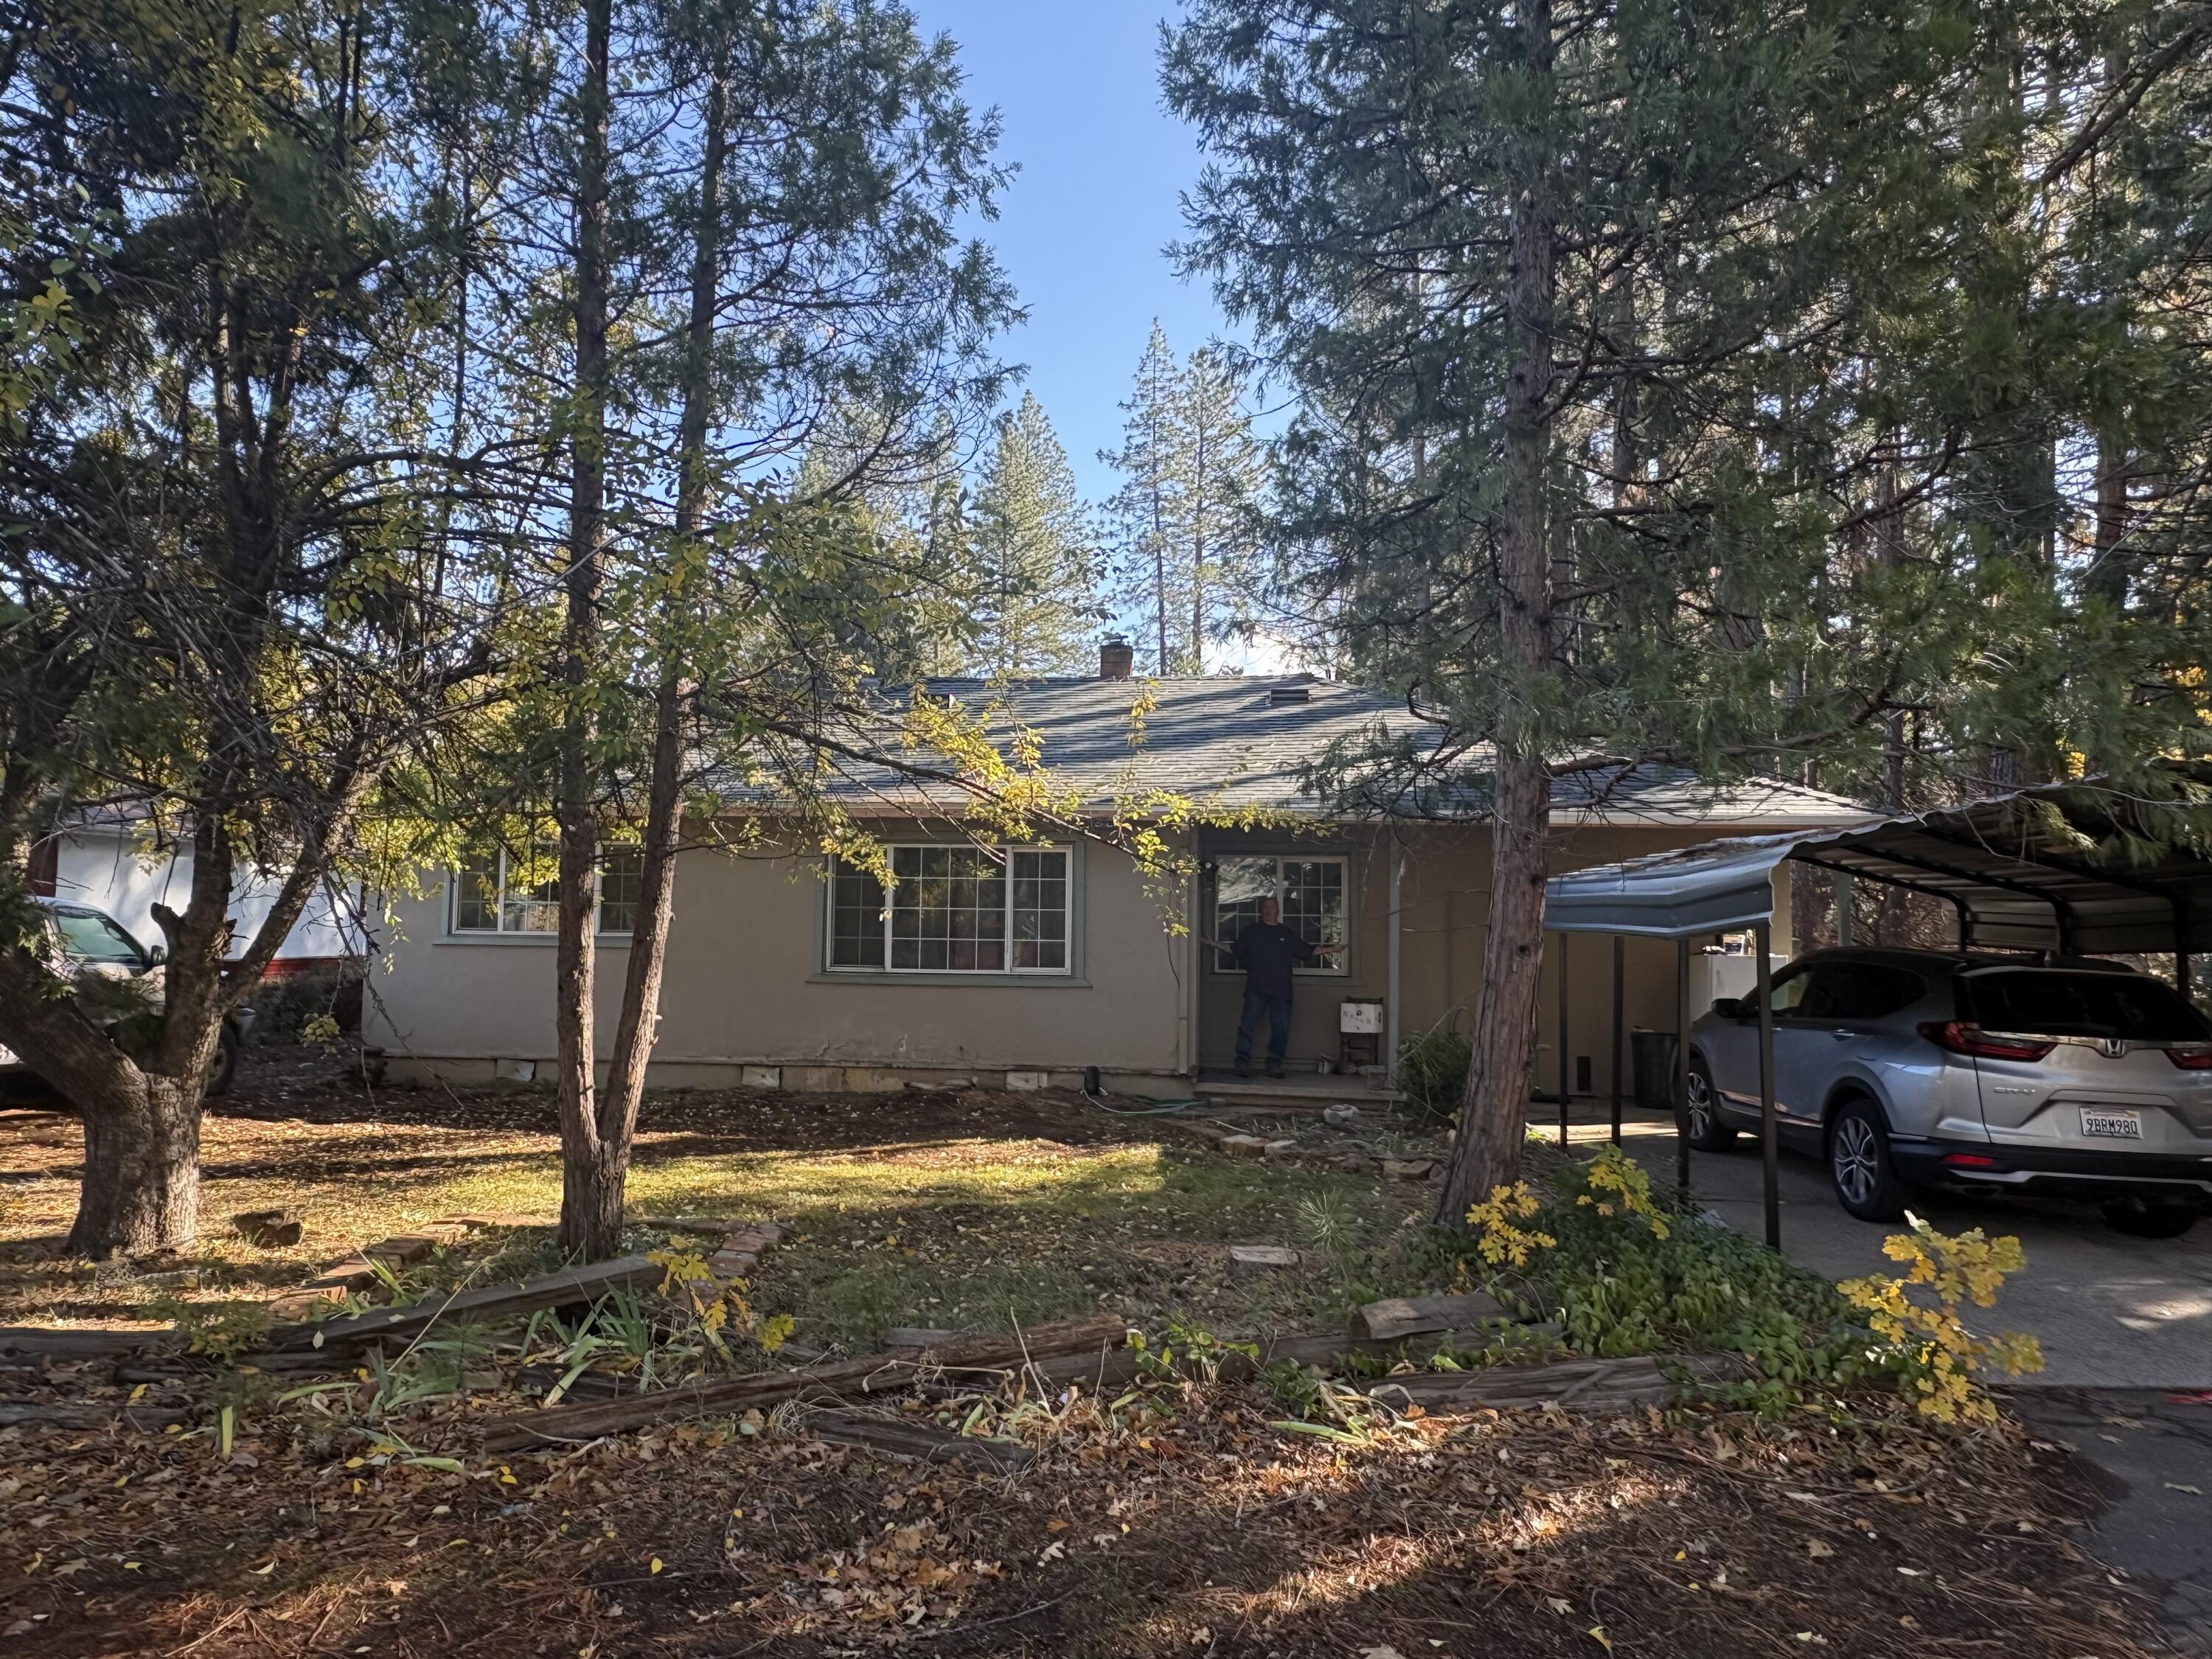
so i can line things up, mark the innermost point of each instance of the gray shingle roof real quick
(1294, 743)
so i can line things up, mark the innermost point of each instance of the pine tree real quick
(778, 187)
(1033, 538)
(1223, 474)
(1561, 293)
(1186, 536)
(1147, 584)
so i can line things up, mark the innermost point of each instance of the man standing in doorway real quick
(1267, 952)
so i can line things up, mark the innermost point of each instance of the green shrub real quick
(1432, 1070)
(1626, 1272)
(284, 1007)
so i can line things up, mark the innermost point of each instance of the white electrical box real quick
(1360, 1019)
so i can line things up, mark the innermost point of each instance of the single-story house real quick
(1042, 959)
(111, 860)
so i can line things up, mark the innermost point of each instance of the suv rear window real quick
(2054, 1002)
(1860, 990)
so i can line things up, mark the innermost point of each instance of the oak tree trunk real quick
(1486, 1149)
(141, 1187)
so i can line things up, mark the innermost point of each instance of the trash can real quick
(1653, 1053)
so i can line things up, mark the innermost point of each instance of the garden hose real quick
(1093, 1088)
(1160, 1110)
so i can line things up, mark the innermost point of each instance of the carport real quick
(2092, 867)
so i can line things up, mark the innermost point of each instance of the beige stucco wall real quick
(1443, 900)
(744, 985)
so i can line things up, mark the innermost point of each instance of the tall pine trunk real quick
(1199, 486)
(648, 948)
(591, 1179)
(1487, 1150)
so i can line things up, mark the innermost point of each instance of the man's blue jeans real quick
(1277, 1012)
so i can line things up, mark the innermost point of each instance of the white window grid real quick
(486, 904)
(955, 909)
(1314, 891)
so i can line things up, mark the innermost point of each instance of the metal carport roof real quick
(2088, 867)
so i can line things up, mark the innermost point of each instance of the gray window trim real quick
(1076, 976)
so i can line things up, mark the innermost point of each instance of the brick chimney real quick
(1116, 659)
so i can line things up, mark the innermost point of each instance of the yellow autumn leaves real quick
(1942, 1355)
(1614, 1184)
(715, 1304)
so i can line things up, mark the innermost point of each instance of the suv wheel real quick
(1707, 1133)
(224, 1063)
(2150, 1218)
(1858, 1162)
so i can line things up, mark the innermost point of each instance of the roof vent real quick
(1280, 696)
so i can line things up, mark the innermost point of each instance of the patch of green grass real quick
(835, 1302)
(887, 1225)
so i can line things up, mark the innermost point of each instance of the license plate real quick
(2112, 1126)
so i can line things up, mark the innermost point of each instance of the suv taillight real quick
(2193, 1056)
(1963, 1036)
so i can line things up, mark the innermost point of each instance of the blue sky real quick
(1083, 230)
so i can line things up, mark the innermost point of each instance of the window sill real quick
(925, 976)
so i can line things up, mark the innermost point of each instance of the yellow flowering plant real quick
(1499, 1236)
(715, 1303)
(1941, 1357)
(1615, 1184)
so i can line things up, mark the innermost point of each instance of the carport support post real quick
(1683, 1066)
(1619, 960)
(1769, 1136)
(1562, 939)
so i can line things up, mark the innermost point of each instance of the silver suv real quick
(86, 944)
(1908, 1067)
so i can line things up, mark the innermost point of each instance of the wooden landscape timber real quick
(875, 1373)
(1083, 1351)
(1119, 1366)
(42, 1342)
(923, 1442)
(1400, 1317)
(1589, 1385)
(558, 1290)
(14, 1414)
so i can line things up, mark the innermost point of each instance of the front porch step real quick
(1305, 1092)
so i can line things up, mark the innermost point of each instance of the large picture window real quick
(954, 910)
(1311, 891)
(499, 891)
